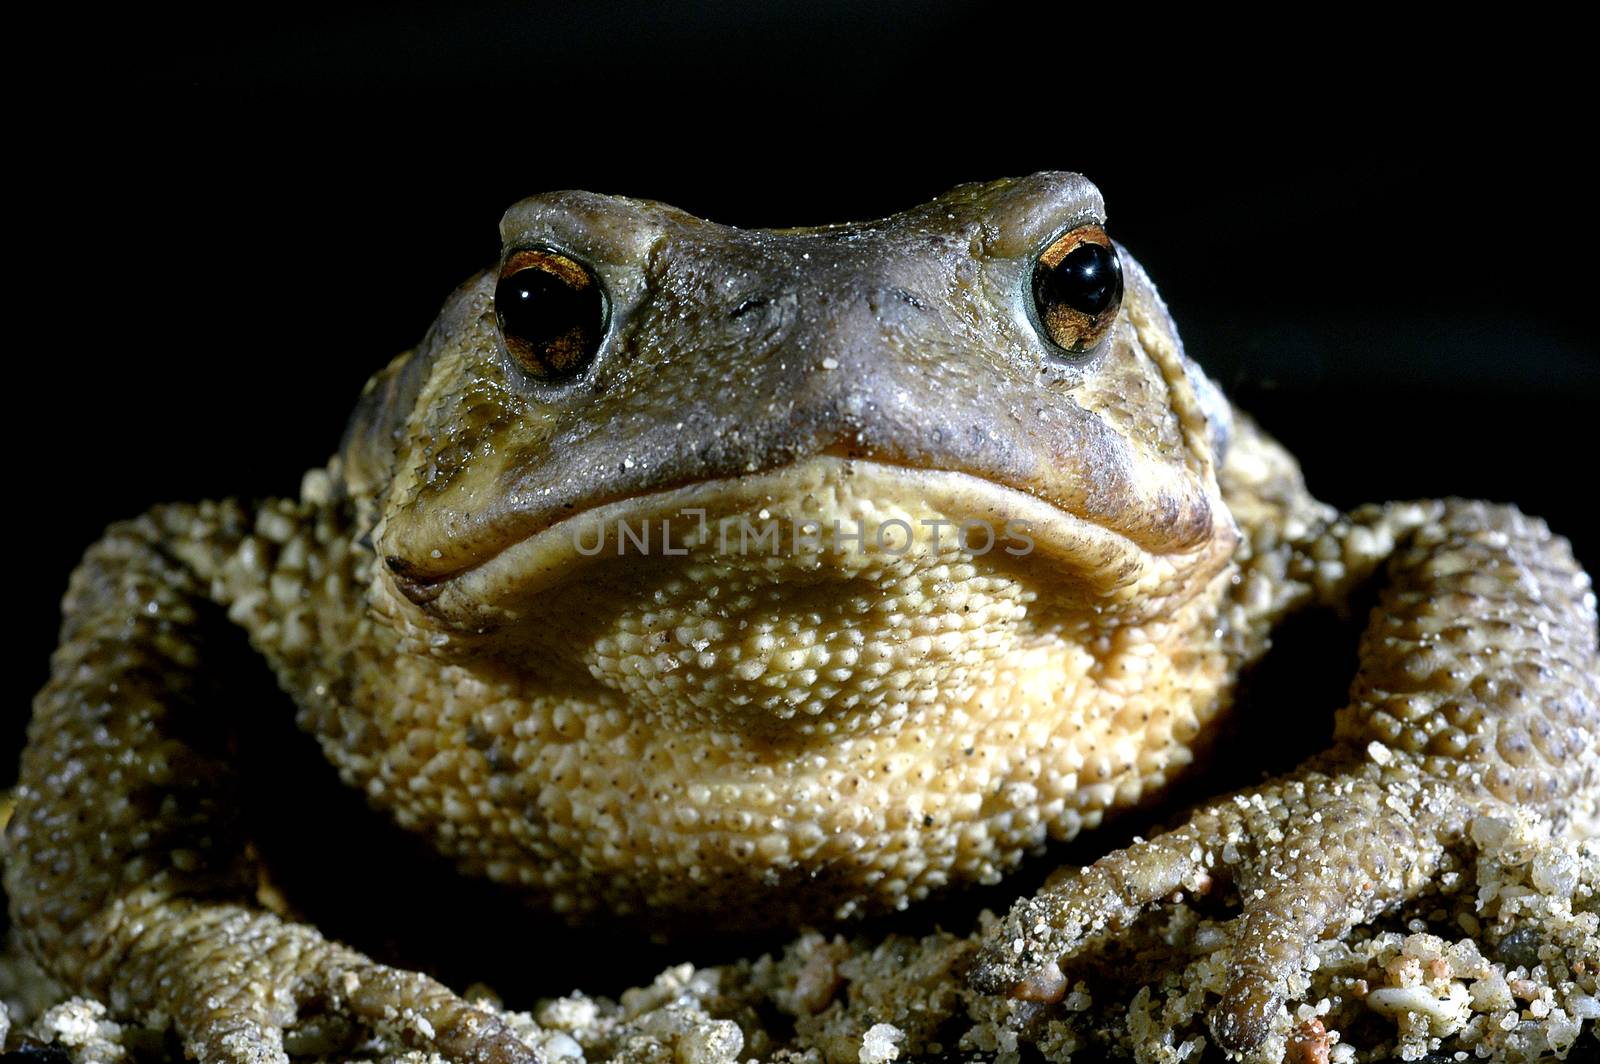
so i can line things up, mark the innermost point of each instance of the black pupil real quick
(1087, 279)
(538, 308)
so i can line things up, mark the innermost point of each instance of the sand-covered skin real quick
(1500, 963)
(804, 729)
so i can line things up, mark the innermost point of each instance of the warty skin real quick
(795, 737)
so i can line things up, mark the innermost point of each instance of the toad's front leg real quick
(1477, 693)
(128, 876)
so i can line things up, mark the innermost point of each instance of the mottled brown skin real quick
(783, 738)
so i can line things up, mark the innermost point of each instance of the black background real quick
(1379, 243)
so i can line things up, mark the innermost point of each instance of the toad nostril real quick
(891, 299)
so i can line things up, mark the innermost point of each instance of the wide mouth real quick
(823, 512)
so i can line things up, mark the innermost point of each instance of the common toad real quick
(774, 578)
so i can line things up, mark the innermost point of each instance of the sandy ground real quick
(1501, 962)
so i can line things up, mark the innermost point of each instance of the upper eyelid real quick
(1056, 235)
(546, 247)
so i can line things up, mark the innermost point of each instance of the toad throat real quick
(834, 598)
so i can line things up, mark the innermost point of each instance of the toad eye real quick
(552, 313)
(1077, 288)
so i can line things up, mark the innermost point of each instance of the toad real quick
(775, 578)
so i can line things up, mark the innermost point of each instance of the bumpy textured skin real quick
(780, 737)
(1476, 693)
